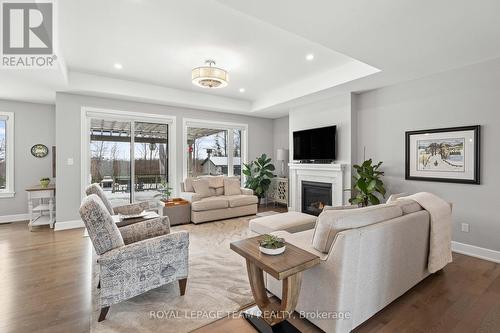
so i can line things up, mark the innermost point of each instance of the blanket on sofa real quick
(440, 229)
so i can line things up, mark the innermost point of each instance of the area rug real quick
(217, 286)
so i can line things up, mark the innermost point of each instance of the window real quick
(6, 154)
(213, 148)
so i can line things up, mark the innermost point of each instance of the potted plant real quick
(44, 182)
(367, 184)
(258, 175)
(272, 245)
(165, 191)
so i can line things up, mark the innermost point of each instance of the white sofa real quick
(217, 205)
(369, 257)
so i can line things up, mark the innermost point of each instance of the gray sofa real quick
(217, 205)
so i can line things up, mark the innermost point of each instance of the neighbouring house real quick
(217, 165)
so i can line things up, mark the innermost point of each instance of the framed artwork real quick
(444, 155)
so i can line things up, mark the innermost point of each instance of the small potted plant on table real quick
(272, 245)
(44, 182)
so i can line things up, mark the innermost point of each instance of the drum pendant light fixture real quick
(209, 76)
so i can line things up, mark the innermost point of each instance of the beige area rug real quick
(217, 286)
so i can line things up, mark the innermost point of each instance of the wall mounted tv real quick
(317, 144)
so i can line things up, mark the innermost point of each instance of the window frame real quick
(201, 123)
(9, 190)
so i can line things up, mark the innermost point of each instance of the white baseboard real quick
(476, 251)
(14, 218)
(65, 225)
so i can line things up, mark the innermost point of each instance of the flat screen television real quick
(315, 144)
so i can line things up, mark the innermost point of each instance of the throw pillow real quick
(231, 186)
(201, 187)
(188, 185)
(214, 181)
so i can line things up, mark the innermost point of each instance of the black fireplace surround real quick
(315, 196)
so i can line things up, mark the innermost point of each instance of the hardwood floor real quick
(45, 287)
(44, 280)
(464, 297)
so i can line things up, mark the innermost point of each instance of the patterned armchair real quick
(134, 208)
(135, 258)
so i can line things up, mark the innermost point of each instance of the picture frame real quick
(39, 150)
(450, 155)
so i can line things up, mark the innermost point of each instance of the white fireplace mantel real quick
(324, 173)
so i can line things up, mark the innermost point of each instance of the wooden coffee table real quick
(288, 268)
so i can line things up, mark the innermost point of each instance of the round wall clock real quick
(39, 150)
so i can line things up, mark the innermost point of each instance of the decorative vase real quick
(272, 252)
(44, 183)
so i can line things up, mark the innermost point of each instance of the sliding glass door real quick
(150, 159)
(129, 159)
(110, 147)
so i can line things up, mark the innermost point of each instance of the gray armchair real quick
(135, 258)
(134, 208)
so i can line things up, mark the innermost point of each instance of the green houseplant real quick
(165, 190)
(272, 245)
(367, 184)
(258, 175)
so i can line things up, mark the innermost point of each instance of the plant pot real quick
(272, 252)
(44, 183)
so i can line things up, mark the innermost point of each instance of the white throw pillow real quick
(201, 187)
(231, 186)
(214, 181)
(188, 184)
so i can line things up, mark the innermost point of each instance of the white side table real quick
(278, 191)
(41, 205)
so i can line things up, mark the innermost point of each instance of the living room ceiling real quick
(357, 46)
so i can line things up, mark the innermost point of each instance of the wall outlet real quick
(465, 227)
(70, 161)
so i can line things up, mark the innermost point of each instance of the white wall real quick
(280, 140)
(333, 111)
(466, 96)
(34, 123)
(68, 113)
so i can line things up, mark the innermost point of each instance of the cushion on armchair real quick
(145, 229)
(102, 230)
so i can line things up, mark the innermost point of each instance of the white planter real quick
(272, 252)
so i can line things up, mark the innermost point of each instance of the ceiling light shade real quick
(209, 76)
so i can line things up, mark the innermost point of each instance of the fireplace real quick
(315, 196)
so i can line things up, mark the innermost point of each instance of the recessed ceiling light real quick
(310, 56)
(118, 66)
(242, 90)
